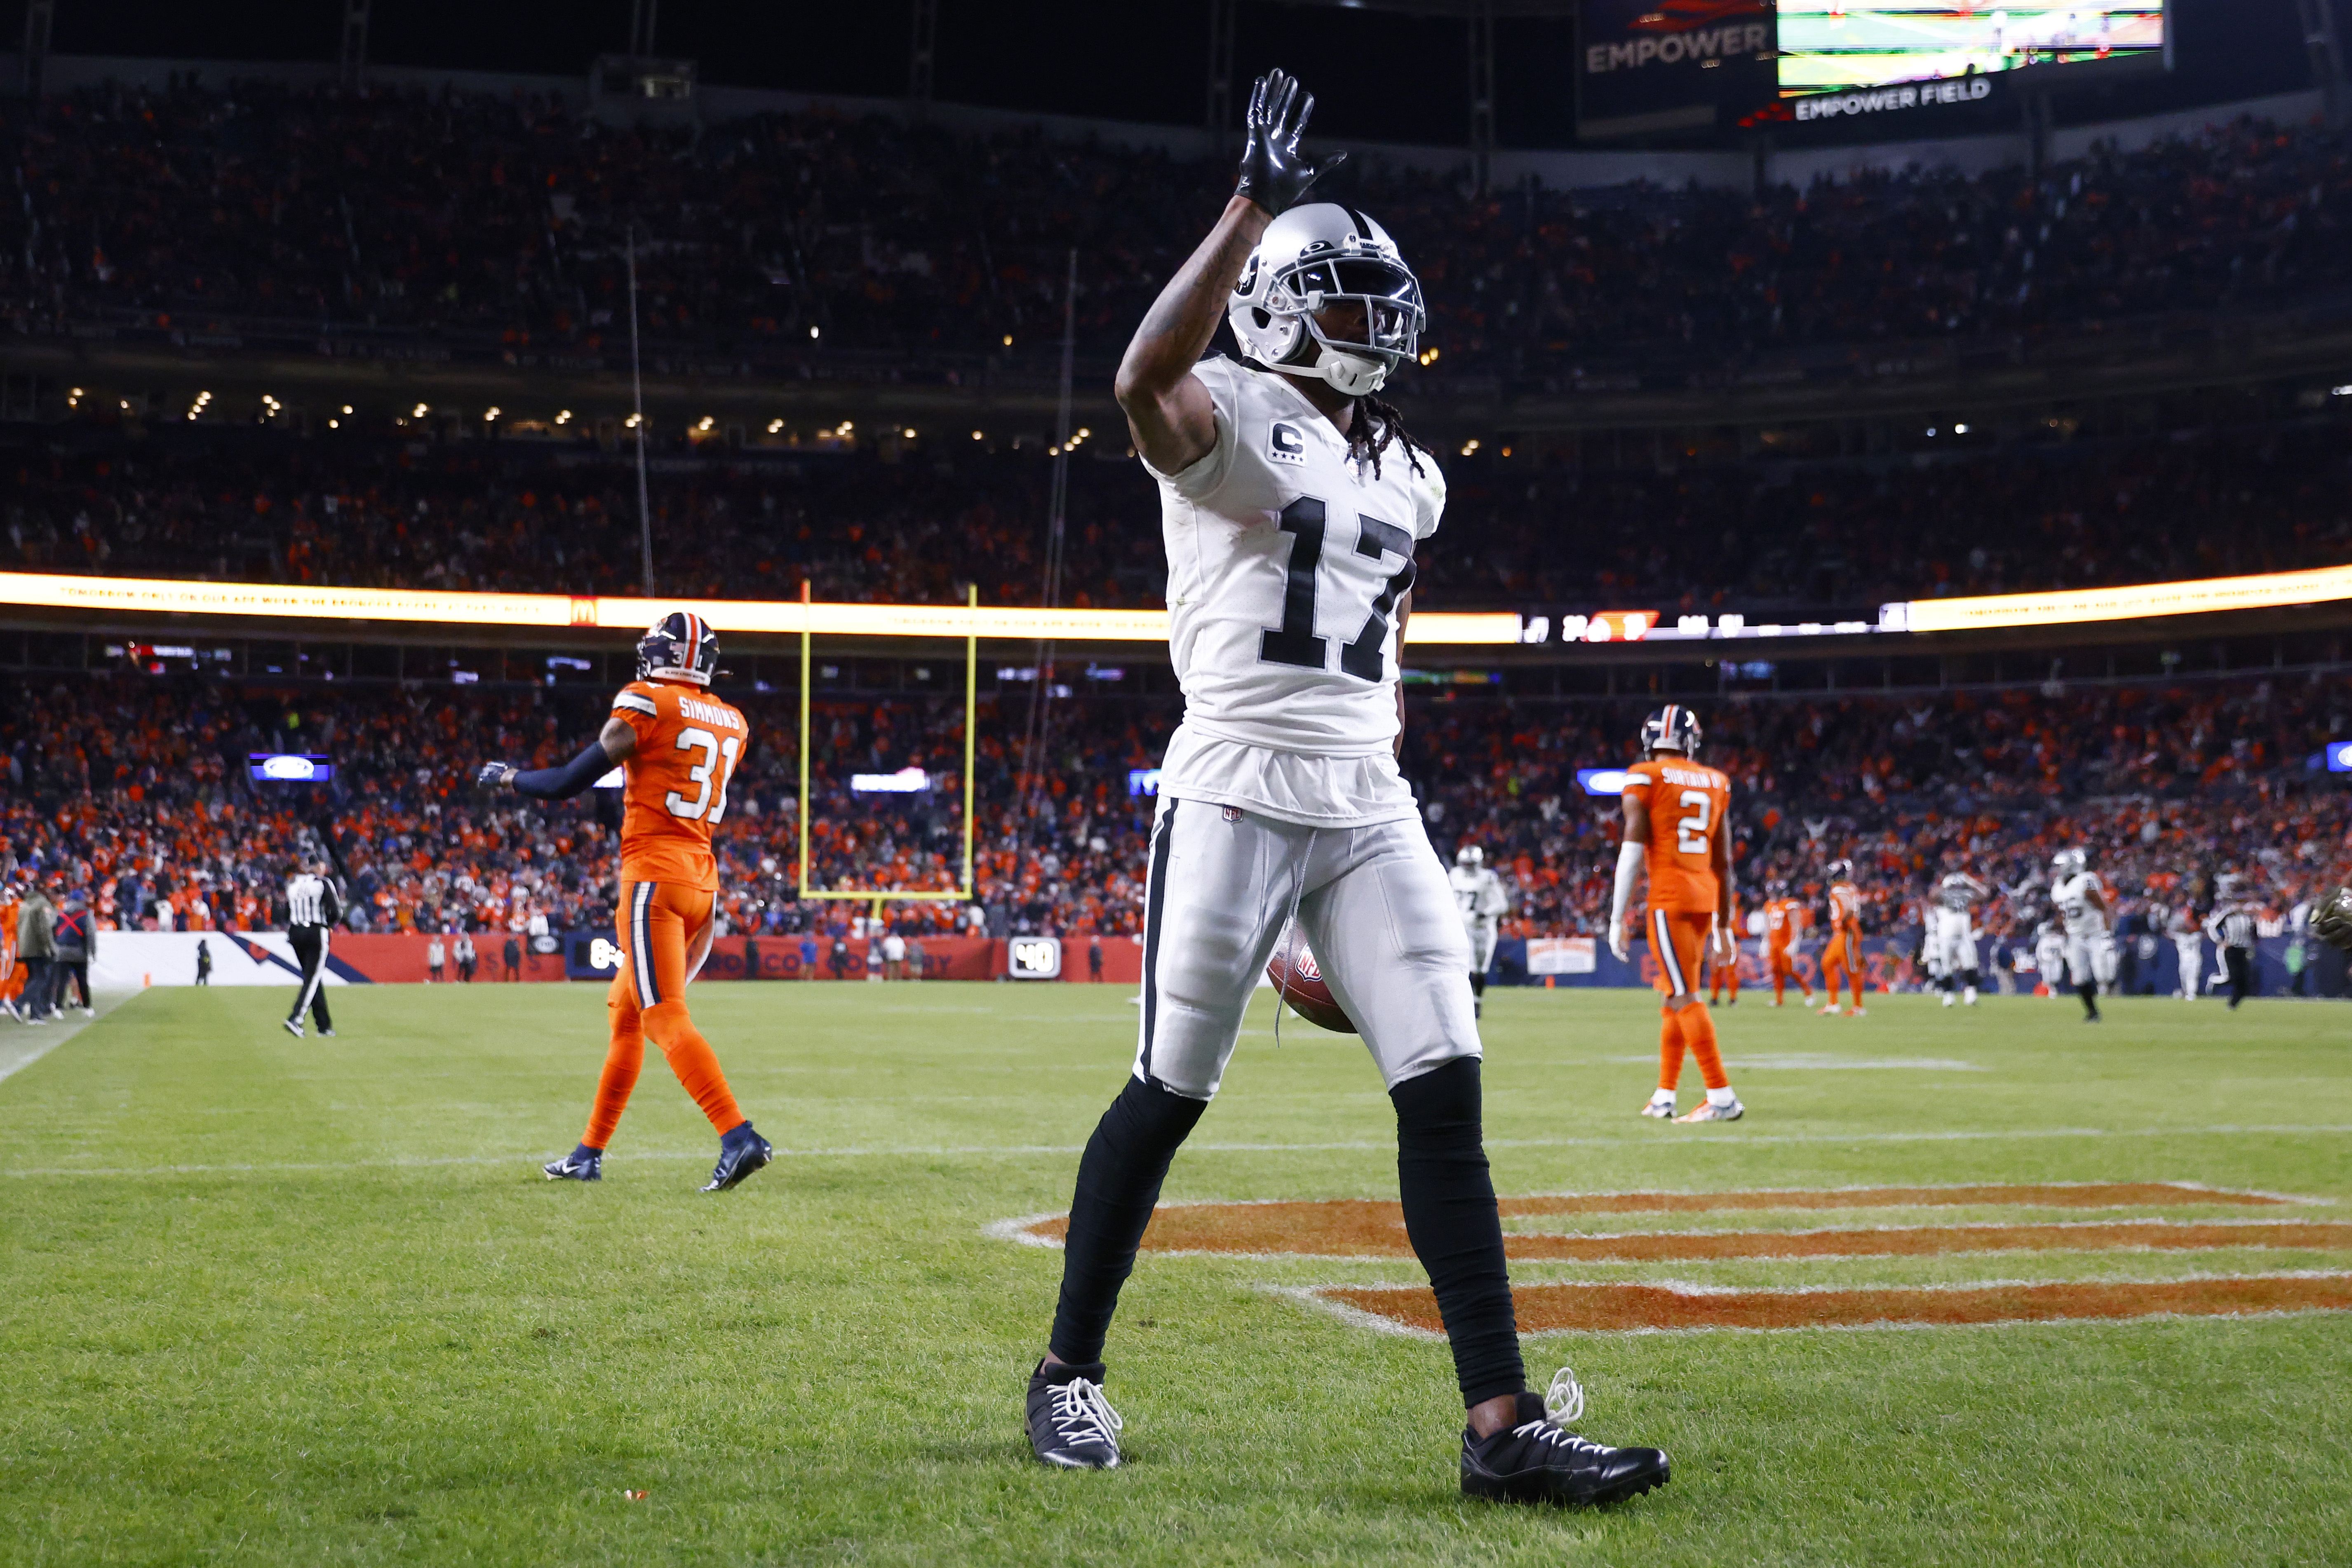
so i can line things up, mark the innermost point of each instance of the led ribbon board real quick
(786, 617)
(1429, 629)
(2145, 601)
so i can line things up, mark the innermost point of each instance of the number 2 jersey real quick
(1286, 560)
(689, 742)
(1687, 803)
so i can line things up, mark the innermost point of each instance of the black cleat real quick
(741, 1152)
(582, 1164)
(1071, 1424)
(1540, 1460)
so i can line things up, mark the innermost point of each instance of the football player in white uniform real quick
(1952, 936)
(1291, 502)
(2081, 903)
(2050, 957)
(2188, 945)
(1478, 893)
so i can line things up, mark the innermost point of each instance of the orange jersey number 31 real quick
(689, 742)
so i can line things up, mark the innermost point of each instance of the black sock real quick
(1118, 1182)
(1478, 986)
(2089, 993)
(1969, 975)
(1455, 1229)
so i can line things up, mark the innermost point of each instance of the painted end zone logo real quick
(1373, 1228)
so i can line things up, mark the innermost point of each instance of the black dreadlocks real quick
(1376, 426)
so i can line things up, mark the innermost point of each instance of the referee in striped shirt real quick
(313, 908)
(2231, 927)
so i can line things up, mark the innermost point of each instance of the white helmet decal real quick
(1313, 257)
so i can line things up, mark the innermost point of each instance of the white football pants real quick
(1373, 902)
(2091, 960)
(1950, 950)
(2190, 952)
(1482, 935)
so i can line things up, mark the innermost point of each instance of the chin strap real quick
(1353, 376)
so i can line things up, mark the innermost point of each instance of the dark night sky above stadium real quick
(1381, 77)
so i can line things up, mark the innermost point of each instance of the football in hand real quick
(1300, 981)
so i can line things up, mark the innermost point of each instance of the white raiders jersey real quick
(1478, 893)
(2072, 898)
(1286, 561)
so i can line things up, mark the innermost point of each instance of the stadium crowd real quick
(1521, 532)
(506, 218)
(132, 791)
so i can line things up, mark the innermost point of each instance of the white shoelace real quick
(1563, 1403)
(1081, 1412)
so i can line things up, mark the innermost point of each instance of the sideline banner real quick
(129, 960)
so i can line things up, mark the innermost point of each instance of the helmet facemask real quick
(1315, 259)
(1389, 335)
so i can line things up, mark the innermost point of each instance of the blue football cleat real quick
(582, 1164)
(741, 1152)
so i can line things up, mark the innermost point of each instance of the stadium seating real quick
(502, 221)
(134, 788)
(1521, 532)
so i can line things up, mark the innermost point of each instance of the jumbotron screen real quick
(1830, 45)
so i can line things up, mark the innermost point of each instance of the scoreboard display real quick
(1837, 46)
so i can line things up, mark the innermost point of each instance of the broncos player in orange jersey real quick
(677, 746)
(1675, 829)
(1784, 935)
(1842, 959)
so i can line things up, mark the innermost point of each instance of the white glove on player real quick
(1617, 937)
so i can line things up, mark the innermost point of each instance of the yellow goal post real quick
(877, 897)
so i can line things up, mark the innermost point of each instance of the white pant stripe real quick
(312, 981)
(1666, 959)
(640, 947)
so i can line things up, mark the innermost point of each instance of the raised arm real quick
(616, 744)
(1167, 410)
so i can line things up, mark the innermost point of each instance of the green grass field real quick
(276, 1301)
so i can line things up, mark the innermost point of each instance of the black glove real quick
(1273, 173)
(2333, 923)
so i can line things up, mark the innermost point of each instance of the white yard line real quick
(22, 1045)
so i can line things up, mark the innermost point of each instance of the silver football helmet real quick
(2068, 863)
(1310, 258)
(1470, 855)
